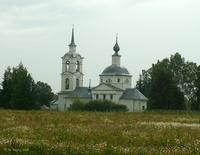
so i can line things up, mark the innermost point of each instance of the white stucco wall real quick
(124, 83)
(71, 74)
(116, 60)
(64, 102)
(134, 105)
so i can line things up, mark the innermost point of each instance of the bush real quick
(97, 105)
(77, 105)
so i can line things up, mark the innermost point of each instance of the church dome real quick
(115, 70)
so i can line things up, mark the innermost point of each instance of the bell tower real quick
(72, 73)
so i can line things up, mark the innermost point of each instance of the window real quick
(118, 80)
(77, 83)
(97, 96)
(77, 66)
(67, 83)
(109, 80)
(104, 96)
(67, 66)
(143, 108)
(111, 96)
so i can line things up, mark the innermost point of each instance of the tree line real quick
(20, 91)
(171, 84)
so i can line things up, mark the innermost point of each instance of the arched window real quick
(118, 80)
(67, 66)
(97, 96)
(67, 83)
(77, 82)
(77, 66)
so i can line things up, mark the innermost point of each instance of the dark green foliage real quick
(77, 105)
(20, 92)
(6, 89)
(43, 93)
(18, 89)
(22, 96)
(164, 93)
(166, 83)
(196, 103)
(97, 105)
(144, 83)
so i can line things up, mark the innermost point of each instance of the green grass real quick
(42, 132)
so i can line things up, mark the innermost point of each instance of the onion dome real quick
(115, 70)
(116, 48)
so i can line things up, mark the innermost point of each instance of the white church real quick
(115, 83)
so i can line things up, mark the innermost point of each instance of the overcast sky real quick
(37, 33)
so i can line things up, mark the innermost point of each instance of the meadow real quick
(44, 132)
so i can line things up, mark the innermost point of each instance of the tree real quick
(164, 93)
(183, 74)
(17, 89)
(22, 96)
(6, 89)
(143, 85)
(43, 93)
(196, 103)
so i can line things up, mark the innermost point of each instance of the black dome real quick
(115, 70)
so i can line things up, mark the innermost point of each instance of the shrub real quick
(77, 105)
(97, 105)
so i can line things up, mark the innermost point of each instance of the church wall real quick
(64, 103)
(124, 83)
(134, 105)
(116, 60)
(115, 95)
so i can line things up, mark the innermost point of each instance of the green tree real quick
(184, 73)
(22, 96)
(164, 92)
(6, 89)
(144, 82)
(43, 93)
(17, 89)
(196, 103)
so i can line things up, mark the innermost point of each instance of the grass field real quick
(42, 132)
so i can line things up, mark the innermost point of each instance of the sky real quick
(37, 33)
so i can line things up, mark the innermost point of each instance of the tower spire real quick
(72, 39)
(116, 48)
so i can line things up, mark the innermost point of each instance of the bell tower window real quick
(67, 83)
(77, 66)
(118, 80)
(67, 66)
(77, 83)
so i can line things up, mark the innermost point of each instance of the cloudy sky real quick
(37, 33)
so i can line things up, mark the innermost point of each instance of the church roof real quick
(109, 85)
(72, 39)
(80, 92)
(115, 70)
(133, 93)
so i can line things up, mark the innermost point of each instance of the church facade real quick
(115, 83)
